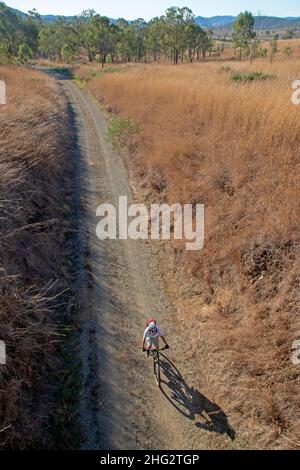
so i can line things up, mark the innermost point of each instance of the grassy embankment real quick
(36, 245)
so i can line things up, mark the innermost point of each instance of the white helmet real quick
(153, 328)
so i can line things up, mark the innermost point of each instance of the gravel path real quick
(121, 407)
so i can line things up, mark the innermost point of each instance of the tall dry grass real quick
(33, 198)
(235, 148)
(282, 44)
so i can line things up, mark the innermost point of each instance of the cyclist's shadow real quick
(191, 403)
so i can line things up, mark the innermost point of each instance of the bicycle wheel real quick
(157, 370)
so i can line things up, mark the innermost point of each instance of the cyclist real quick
(151, 336)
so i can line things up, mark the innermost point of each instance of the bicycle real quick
(156, 363)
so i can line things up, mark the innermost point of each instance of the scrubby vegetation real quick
(120, 132)
(35, 246)
(251, 76)
(238, 153)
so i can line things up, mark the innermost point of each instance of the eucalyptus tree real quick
(155, 37)
(100, 29)
(82, 29)
(10, 32)
(243, 31)
(176, 21)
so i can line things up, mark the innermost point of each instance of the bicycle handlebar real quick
(154, 349)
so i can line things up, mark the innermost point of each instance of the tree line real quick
(174, 37)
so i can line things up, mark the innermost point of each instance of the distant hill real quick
(52, 18)
(215, 22)
(272, 22)
(46, 18)
(18, 12)
(49, 18)
(263, 22)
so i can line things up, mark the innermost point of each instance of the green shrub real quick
(120, 133)
(224, 68)
(68, 53)
(65, 71)
(251, 76)
(24, 53)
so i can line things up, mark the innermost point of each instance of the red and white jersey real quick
(158, 333)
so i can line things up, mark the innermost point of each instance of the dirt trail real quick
(121, 407)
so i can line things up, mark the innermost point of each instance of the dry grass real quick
(235, 148)
(294, 44)
(230, 54)
(32, 240)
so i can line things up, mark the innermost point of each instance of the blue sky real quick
(148, 9)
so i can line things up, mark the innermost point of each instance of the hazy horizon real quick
(135, 9)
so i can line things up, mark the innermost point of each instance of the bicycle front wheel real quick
(157, 371)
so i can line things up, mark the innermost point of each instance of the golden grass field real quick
(235, 148)
(282, 45)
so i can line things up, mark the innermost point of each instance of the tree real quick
(273, 48)
(10, 32)
(263, 52)
(68, 52)
(138, 27)
(288, 51)
(31, 26)
(83, 30)
(176, 20)
(290, 33)
(24, 53)
(46, 47)
(243, 31)
(114, 38)
(205, 43)
(154, 37)
(54, 36)
(198, 41)
(100, 30)
(192, 32)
